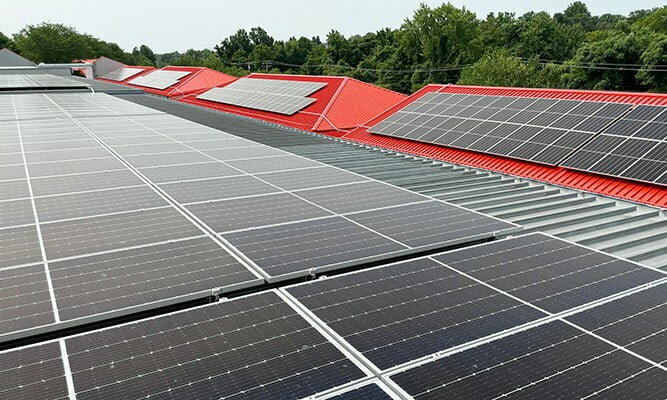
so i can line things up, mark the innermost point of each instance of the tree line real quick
(571, 49)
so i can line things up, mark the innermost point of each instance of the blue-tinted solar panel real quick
(552, 361)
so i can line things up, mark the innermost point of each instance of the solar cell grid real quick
(634, 147)
(217, 189)
(62, 184)
(255, 212)
(122, 74)
(405, 311)
(38, 81)
(16, 189)
(497, 125)
(95, 234)
(91, 285)
(87, 204)
(267, 349)
(95, 213)
(19, 246)
(16, 212)
(294, 249)
(187, 172)
(279, 96)
(159, 79)
(284, 172)
(550, 273)
(638, 322)
(35, 372)
(25, 299)
(553, 360)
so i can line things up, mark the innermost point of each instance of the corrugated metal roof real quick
(339, 107)
(199, 79)
(625, 229)
(609, 186)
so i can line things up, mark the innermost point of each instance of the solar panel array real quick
(159, 79)
(255, 347)
(275, 95)
(634, 147)
(38, 81)
(113, 207)
(108, 208)
(609, 138)
(430, 330)
(83, 236)
(122, 74)
(401, 313)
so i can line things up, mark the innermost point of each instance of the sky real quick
(178, 25)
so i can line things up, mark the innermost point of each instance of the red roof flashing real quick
(655, 195)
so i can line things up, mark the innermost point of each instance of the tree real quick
(503, 69)
(6, 42)
(146, 52)
(52, 43)
(576, 14)
(542, 37)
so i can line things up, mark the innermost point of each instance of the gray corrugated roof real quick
(628, 230)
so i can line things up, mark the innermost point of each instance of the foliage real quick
(443, 44)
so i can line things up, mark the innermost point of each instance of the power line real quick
(582, 65)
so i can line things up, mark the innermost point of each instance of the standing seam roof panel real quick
(609, 186)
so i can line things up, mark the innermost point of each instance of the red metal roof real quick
(199, 79)
(340, 106)
(655, 195)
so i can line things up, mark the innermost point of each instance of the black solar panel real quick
(540, 130)
(120, 192)
(33, 373)
(255, 347)
(550, 273)
(634, 147)
(400, 313)
(104, 243)
(637, 322)
(26, 301)
(263, 200)
(547, 362)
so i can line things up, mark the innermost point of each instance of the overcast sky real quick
(179, 25)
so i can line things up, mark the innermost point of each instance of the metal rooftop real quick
(626, 229)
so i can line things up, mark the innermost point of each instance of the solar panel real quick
(100, 223)
(262, 200)
(409, 310)
(84, 238)
(274, 95)
(26, 300)
(554, 360)
(636, 322)
(277, 86)
(406, 312)
(38, 81)
(539, 130)
(634, 147)
(254, 347)
(547, 272)
(35, 372)
(159, 79)
(122, 74)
